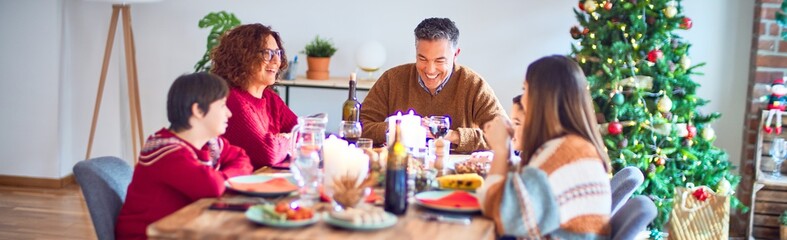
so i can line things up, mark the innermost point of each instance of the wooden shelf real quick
(332, 83)
(769, 195)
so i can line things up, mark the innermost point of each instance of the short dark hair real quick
(437, 28)
(201, 88)
(518, 101)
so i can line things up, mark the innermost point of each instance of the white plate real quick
(259, 179)
(433, 195)
(388, 221)
(255, 214)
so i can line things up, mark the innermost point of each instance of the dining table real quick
(198, 221)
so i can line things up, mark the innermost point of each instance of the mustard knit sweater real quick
(466, 98)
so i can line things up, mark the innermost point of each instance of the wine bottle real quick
(351, 111)
(396, 175)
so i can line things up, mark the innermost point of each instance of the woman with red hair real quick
(251, 57)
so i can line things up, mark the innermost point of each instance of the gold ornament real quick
(664, 105)
(685, 62)
(681, 129)
(590, 6)
(671, 10)
(662, 129)
(638, 82)
(708, 133)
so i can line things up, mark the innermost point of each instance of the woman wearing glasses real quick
(251, 57)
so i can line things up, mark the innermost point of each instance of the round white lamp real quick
(370, 56)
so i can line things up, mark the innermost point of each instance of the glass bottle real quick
(396, 175)
(351, 111)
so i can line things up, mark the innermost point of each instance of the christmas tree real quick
(639, 73)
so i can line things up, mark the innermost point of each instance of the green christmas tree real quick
(640, 72)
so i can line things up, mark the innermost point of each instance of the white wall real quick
(29, 87)
(497, 39)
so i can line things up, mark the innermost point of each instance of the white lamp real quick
(370, 57)
(131, 69)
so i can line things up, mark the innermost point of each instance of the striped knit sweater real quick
(563, 193)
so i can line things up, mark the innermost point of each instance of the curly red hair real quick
(238, 55)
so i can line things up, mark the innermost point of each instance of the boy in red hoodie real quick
(185, 162)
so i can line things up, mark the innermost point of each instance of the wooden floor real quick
(37, 213)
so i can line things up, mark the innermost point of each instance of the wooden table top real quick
(196, 221)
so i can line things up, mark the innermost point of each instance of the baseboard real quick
(17, 181)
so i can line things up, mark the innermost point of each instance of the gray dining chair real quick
(623, 184)
(104, 181)
(633, 218)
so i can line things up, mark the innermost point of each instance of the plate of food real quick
(282, 215)
(450, 201)
(363, 219)
(263, 185)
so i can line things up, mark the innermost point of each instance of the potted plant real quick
(218, 22)
(318, 58)
(783, 226)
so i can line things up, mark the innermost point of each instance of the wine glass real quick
(350, 131)
(305, 169)
(439, 125)
(778, 153)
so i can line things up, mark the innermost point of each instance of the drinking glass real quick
(439, 125)
(305, 169)
(364, 143)
(350, 131)
(778, 152)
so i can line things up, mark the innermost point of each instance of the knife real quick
(445, 219)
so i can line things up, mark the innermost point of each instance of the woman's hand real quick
(498, 134)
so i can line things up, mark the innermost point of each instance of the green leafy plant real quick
(319, 47)
(218, 22)
(783, 218)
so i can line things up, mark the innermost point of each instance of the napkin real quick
(372, 198)
(457, 199)
(273, 185)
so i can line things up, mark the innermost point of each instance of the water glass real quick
(778, 152)
(364, 143)
(305, 169)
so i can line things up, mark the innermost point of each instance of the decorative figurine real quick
(777, 102)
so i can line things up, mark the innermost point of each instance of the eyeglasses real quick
(267, 54)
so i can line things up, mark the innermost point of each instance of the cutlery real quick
(445, 219)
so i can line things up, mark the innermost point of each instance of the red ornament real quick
(615, 128)
(661, 161)
(686, 24)
(585, 31)
(608, 6)
(701, 194)
(655, 55)
(692, 131)
(582, 5)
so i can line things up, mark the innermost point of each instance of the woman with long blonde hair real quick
(560, 188)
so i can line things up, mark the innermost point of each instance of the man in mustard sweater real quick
(433, 86)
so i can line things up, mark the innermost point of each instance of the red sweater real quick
(254, 126)
(170, 174)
